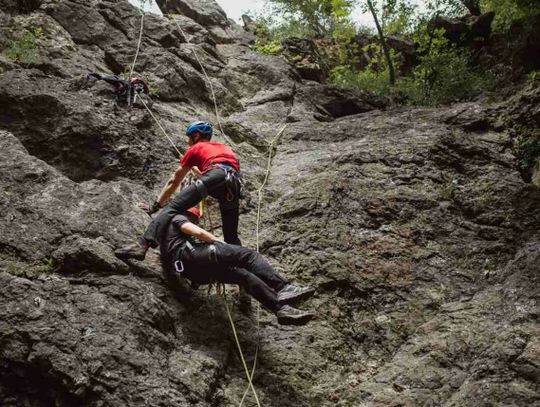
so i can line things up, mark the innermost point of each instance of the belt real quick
(221, 166)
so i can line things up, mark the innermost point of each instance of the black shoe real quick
(288, 315)
(291, 293)
(134, 251)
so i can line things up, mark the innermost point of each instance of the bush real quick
(24, 49)
(271, 47)
(443, 75)
(527, 149)
(373, 78)
(507, 11)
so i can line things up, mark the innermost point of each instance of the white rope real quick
(138, 47)
(160, 126)
(218, 117)
(260, 196)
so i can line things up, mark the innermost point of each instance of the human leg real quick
(229, 207)
(231, 275)
(185, 199)
(207, 263)
(249, 259)
(229, 218)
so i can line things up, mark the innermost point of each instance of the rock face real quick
(414, 226)
(467, 29)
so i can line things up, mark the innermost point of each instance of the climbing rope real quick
(207, 79)
(160, 126)
(260, 196)
(244, 364)
(138, 47)
(271, 147)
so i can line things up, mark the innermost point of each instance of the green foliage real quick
(24, 49)
(321, 17)
(32, 270)
(443, 75)
(271, 28)
(533, 78)
(444, 72)
(398, 16)
(271, 47)
(449, 190)
(527, 148)
(373, 78)
(507, 11)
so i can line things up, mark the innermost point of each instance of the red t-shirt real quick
(205, 153)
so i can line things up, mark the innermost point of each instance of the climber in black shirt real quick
(205, 260)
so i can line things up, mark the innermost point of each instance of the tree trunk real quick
(391, 72)
(473, 6)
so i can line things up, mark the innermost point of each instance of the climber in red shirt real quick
(219, 166)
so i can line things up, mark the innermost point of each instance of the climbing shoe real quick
(288, 315)
(291, 293)
(135, 251)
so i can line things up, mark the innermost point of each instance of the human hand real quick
(149, 209)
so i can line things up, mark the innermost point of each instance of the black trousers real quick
(214, 181)
(232, 264)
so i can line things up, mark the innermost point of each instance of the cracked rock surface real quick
(413, 224)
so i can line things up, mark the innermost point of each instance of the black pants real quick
(214, 181)
(232, 264)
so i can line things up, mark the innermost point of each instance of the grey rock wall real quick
(414, 226)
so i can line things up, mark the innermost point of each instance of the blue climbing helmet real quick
(204, 128)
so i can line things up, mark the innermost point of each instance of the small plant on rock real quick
(533, 78)
(24, 49)
(272, 47)
(527, 149)
(449, 190)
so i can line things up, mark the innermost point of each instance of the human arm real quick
(193, 230)
(172, 184)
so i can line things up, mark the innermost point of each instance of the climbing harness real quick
(212, 254)
(123, 89)
(201, 188)
(180, 269)
(128, 88)
(233, 188)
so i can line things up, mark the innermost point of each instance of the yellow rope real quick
(271, 147)
(246, 370)
(226, 138)
(202, 206)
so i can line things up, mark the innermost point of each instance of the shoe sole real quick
(126, 256)
(296, 297)
(299, 320)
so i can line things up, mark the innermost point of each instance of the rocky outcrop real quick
(465, 30)
(526, 36)
(414, 225)
(303, 53)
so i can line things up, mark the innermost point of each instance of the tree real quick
(384, 45)
(473, 6)
(320, 15)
